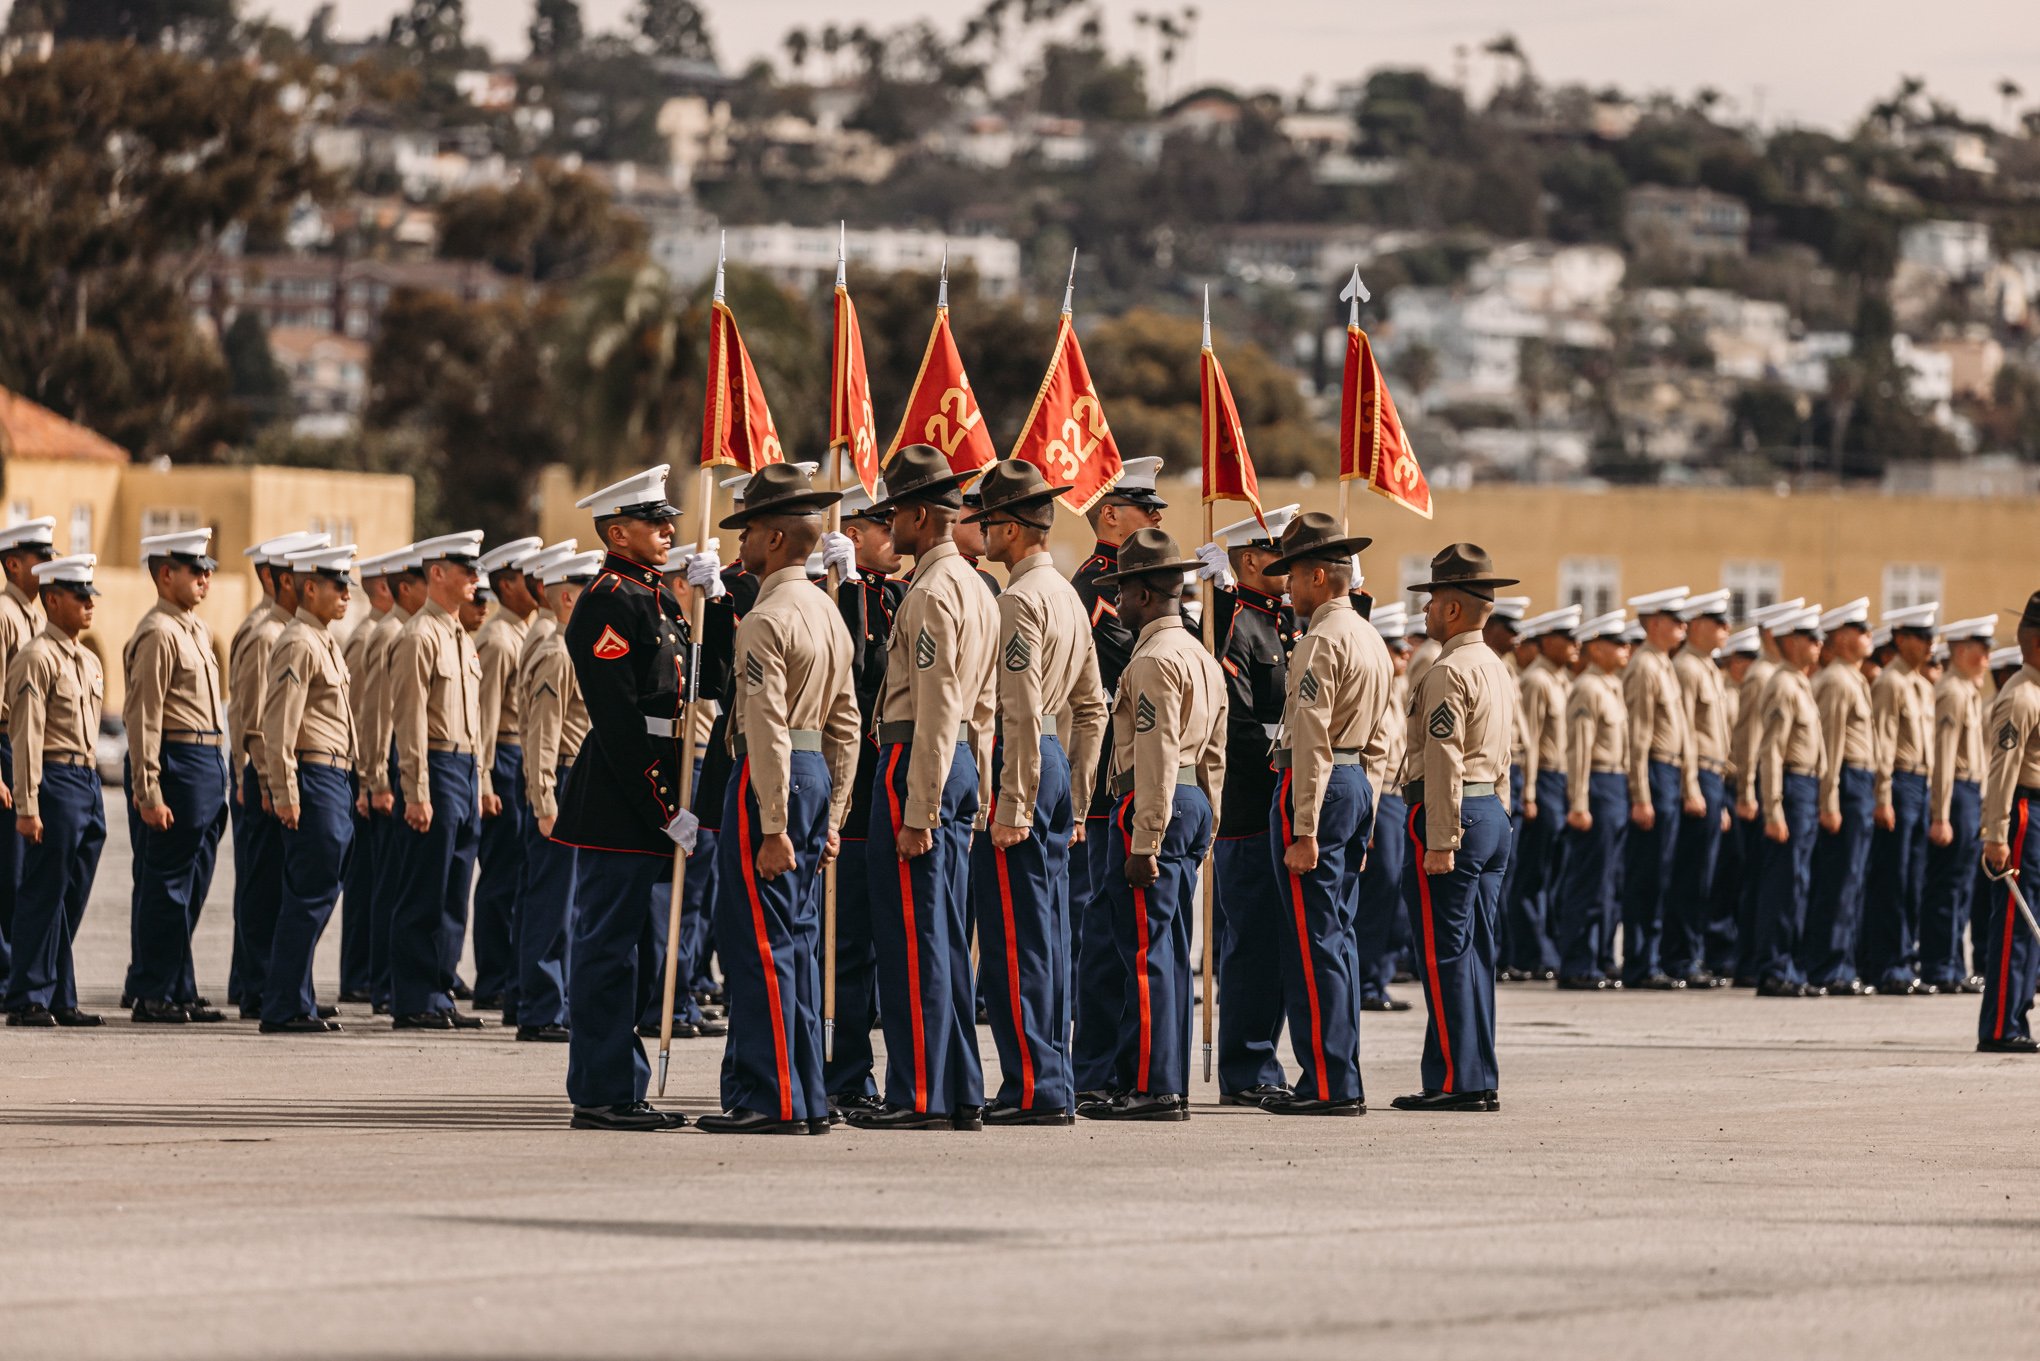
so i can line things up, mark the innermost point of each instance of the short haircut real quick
(803, 529)
(1166, 585)
(1476, 609)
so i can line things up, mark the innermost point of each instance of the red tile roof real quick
(29, 430)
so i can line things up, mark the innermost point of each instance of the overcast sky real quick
(1808, 61)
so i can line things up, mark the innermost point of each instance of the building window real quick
(1594, 584)
(1413, 567)
(1751, 585)
(19, 512)
(168, 520)
(1910, 583)
(81, 527)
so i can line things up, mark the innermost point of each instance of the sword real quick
(2010, 879)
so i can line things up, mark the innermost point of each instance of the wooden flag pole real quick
(835, 588)
(704, 493)
(1210, 988)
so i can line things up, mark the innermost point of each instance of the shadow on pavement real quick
(466, 1113)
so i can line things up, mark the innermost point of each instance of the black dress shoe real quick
(1971, 984)
(1780, 987)
(460, 1020)
(1546, 975)
(127, 1001)
(300, 1025)
(553, 1033)
(1387, 1003)
(326, 1012)
(1743, 982)
(843, 1105)
(461, 992)
(1095, 1094)
(682, 1030)
(1904, 987)
(424, 1020)
(2016, 1044)
(896, 1117)
(999, 1113)
(198, 1013)
(71, 1016)
(1403, 976)
(249, 1013)
(1705, 979)
(1583, 983)
(710, 1029)
(34, 1014)
(1850, 987)
(1252, 1096)
(967, 1119)
(1448, 1101)
(489, 1001)
(379, 1009)
(1659, 982)
(1138, 1106)
(159, 1013)
(354, 996)
(753, 1122)
(637, 1117)
(1310, 1105)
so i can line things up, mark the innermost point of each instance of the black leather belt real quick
(900, 734)
(1122, 783)
(803, 739)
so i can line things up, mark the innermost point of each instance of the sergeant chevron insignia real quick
(924, 650)
(1441, 723)
(2008, 737)
(1307, 687)
(1144, 715)
(754, 672)
(1019, 652)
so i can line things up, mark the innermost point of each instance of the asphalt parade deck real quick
(1682, 1175)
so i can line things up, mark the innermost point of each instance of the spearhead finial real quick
(1207, 316)
(942, 284)
(842, 250)
(1355, 292)
(1070, 289)
(721, 249)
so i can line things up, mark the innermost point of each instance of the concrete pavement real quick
(1688, 1175)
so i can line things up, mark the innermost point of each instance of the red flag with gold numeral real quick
(941, 409)
(1372, 442)
(850, 421)
(1065, 434)
(736, 425)
(1228, 467)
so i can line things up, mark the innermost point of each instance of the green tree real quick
(258, 383)
(553, 224)
(675, 28)
(207, 23)
(555, 28)
(434, 32)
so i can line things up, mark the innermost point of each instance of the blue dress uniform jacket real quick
(628, 642)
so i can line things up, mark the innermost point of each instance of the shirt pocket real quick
(1267, 679)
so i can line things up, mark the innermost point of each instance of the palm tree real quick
(628, 373)
(2009, 91)
(797, 44)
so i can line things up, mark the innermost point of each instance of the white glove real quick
(840, 553)
(682, 830)
(1216, 568)
(704, 571)
(1359, 577)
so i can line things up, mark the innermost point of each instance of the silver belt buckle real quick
(658, 727)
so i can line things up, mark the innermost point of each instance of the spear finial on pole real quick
(842, 249)
(1070, 289)
(722, 248)
(1207, 316)
(942, 284)
(1356, 292)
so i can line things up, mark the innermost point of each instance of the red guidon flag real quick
(736, 425)
(1065, 434)
(1372, 442)
(941, 410)
(1228, 467)
(850, 420)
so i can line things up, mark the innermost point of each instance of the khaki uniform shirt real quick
(1462, 721)
(1901, 725)
(173, 686)
(1844, 699)
(1790, 739)
(1658, 727)
(21, 618)
(939, 674)
(1749, 727)
(354, 651)
(1542, 692)
(248, 683)
(1596, 737)
(1338, 687)
(1048, 673)
(1384, 769)
(374, 718)
(1958, 741)
(499, 642)
(2013, 731)
(1710, 711)
(307, 708)
(1170, 713)
(54, 694)
(792, 663)
(435, 682)
(1422, 659)
(555, 721)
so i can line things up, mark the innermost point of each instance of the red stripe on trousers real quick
(780, 1058)
(2005, 950)
(1317, 1020)
(1140, 927)
(1012, 965)
(913, 941)
(1432, 993)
